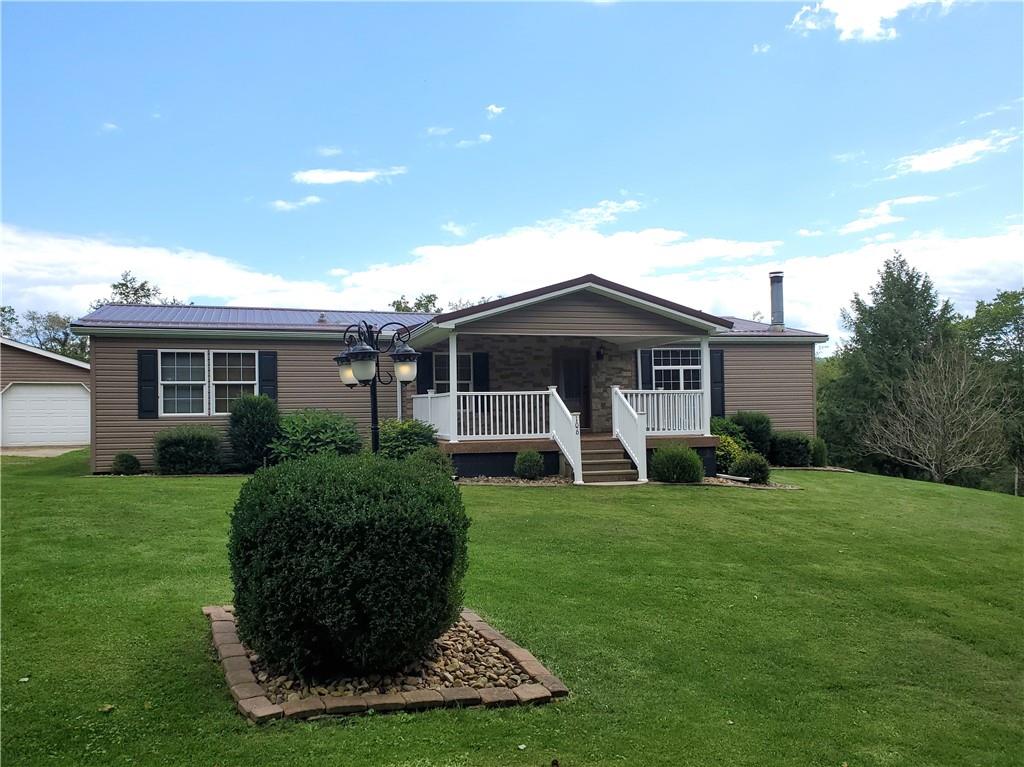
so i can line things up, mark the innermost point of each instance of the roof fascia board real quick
(44, 353)
(731, 339)
(134, 332)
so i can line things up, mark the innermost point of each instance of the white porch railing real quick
(630, 428)
(565, 430)
(669, 412)
(433, 409)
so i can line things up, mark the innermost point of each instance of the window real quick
(234, 375)
(465, 373)
(183, 383)
(676, 369)
(194, 382)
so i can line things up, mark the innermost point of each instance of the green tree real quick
(9, 325)
(424, 302)
(52, 331)
(130, 290)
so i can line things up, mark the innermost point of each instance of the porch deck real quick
(546, 445)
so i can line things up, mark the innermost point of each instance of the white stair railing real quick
(669, 412)
(630, 428)
(503, 415)
(565, 431)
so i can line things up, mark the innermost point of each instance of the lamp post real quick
(357, 363)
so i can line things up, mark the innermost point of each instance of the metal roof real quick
(741, 327)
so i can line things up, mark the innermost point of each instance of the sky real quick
(336, 156)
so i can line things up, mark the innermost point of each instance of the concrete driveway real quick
(40, 452)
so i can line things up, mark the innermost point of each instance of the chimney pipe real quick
(778, 318)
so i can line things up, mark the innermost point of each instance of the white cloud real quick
(483, 138)
(338, 272)
(762, 48)
(881, 214)
(328, 151)
(437, 130)
(285, 205)
(331, 176)
(863, 20)
(493, 111)
(810, 232)
(109, 127)
(964, 152)
(845, 157)
(456, 230)
(883, 237)
(156, 115)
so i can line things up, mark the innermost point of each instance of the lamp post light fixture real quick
(357, 363)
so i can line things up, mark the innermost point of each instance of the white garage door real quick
(44, 414)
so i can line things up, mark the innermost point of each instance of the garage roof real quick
(43, 352)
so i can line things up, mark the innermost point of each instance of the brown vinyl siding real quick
(20, 366)
(581, 314)
(777, 379)
(307, 377)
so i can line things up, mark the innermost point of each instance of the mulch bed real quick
(543, 481)
(471, 664)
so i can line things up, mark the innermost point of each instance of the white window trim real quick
(161, 383)
(213, 384)
(680, 368)
(472, 383)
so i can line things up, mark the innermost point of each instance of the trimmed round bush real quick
(125, 463)
(433, 457)
(309, 432)
(757, 428)
(187, 449)
(529, 465)
(753, 466)
(254, 424)
(726, 453)
(401, 438)
(676, 463)
(791, 448)
(723, 427)
(346, 563)
(819, 452)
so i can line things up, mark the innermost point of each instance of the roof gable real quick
(4, 341)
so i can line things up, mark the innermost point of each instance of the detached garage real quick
(44, 397)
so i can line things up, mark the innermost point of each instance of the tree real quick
(52, 331)
(424, 302)
(130, 290)
(943, 418)
(465, 303)
(9, 325)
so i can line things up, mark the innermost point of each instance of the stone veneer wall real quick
(524, 363)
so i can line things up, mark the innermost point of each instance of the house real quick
(591, 373)
(44, 397)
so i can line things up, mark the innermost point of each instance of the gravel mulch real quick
(543, 481)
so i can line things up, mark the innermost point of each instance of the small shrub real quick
(757, 428)
(187, 449)
(723, 427)
(819, 452)
(125, 463)
(676, 463)
(753, 466)
(726, 453)
(435, 458)
(308, 432)
(346, 563)
(400, 438)
(529, 465)
(254, 424)
(791, 448)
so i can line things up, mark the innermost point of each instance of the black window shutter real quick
(147, 375)
(481, 372)
(717, 383)
(646, 369)
(425, 372)
(268, 374)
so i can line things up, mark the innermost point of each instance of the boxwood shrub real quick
(187, 449)
(726, 453)
(723, 427)
(791, 448)
(819, 452)
(254, 424)
(529, 465)
(676, 463)
(433, 457)
(308, 432)
(753, 466)
(346, 563)
(757, 428)
(125, 463)
(401, 438)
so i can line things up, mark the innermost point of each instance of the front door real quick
(572, 377)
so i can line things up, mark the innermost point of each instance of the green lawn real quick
(863, 620)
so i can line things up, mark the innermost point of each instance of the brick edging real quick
(252, 701)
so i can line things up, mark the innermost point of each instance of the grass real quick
(863, 620)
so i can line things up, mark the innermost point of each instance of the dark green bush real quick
(726, 453)
(757, 428)
(254, 424)
(529, 465)
(791, 448)
(187, 449)
(400, 438)
(753, 466)
(435, 458)
(819, 452)
(308, 432)
(346, 563)
(125, 463)
(723, 427)
(676, 463)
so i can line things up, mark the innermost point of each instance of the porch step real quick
(606, 464)
(589, 443)
(597, 477)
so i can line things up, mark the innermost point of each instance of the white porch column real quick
(705, 385)
(453, 387)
